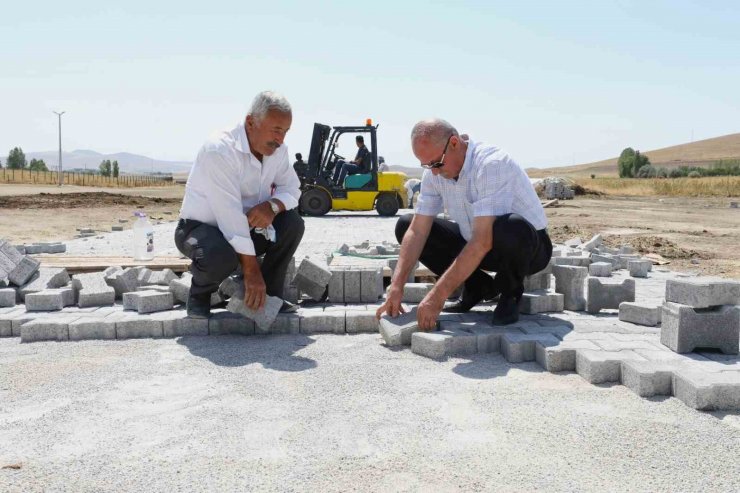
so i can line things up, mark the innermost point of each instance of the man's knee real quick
(289, 226)
(216, 260)
(402, 225)
(511, 232)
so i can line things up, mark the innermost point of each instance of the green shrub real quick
(694, 174)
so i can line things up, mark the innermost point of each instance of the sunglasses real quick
(440, 163)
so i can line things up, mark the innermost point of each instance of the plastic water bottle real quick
(143, 238)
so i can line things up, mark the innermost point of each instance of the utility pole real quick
(61, 175)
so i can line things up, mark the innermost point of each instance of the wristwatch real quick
(275, 208)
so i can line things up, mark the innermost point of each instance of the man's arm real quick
(411, 248)
(466, 262)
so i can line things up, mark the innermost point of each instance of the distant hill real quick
(699, 153)
(127, 162)
(412, 172)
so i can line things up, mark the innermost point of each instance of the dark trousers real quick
(341, 172)
(214, 259)
(518, 251)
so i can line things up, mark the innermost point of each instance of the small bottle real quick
(143, 238)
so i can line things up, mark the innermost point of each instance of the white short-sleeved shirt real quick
(227, 180)
(490, 184)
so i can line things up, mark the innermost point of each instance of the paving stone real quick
(648, 378)
(569, 281)
(136, 326)
(360, 321)
(148, 301)
(352, 285)
(336, 285)
(571, 261)
(396, 331)
(603, 366)
(414, 292)
(540, 302)
(45, 278)
(538, 281)
(441, 344)
(319, 321)
(601, 258)
(630, 343)
(93, 290)
(520, 348)
(92, 328)
(263, 318)
(605, 250)
(312, 278)
(626, 249)
(7, 297)
(600, 269)
(25, 269)
(707, 391)
(489, 337)
(228, 286)
(593, 243)
(646, 314)
(285, 323)
(561, 355)
(176, 323)
(180, 289)
(639, 268)
(161, 277)
(46, 329)
(601, 295)
(683, 328)
(624, 260)
(702, 294)
(223, 322)
(155, 287)
(559, 331)
(392, 263)
(573, 242)
(371, 282)
(122, 281)
(46, 300)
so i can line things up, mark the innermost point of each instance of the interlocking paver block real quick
(143, 275)
(352, 285)
(540, 302)
(161, 277)
(392, 263)
(336, 285)
(46, 300)
(640, 313)
(312, 278)
(559, 355)
(45, 278)
(440, 344)
(592, 243)
(319, 321)
(569, 281)
(148, 301)
(396, 331)
(648, 378)
(371, 281)
(223, 322)
(176, 323)
(123, 281)
(263, 318)
(92, 328)
(538, 281)
(180, 289)
(285, 323)
(580, 261)
(600, 269)
(360, 321)
(603, 366)
(46, 329)
(519, 348)
(702, 294)
(25, 269)
(228, 286)
(414, 292)
(7, 297)
(135, 326)
(93, 290)
(684, 328)
(601, 257)
(624, 260)
(707, 391)
(639, 268)
(601, 295)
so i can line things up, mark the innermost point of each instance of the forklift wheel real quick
(315, 202)
(386, 204)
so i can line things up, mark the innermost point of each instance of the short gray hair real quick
(435, 130)
(268, 101)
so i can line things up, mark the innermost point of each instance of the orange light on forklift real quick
(369, 122)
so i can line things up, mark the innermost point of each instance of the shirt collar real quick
(468, 158)
(242, 142)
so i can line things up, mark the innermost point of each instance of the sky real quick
(553, 83)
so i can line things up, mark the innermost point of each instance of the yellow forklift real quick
(382, 191)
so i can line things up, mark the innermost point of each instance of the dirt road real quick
(702, 235)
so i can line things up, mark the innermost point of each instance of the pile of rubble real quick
(554, 187)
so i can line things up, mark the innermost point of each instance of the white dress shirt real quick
(227, 180)
(490, 184)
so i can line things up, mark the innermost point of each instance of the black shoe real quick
(467, 301)
(288, 307)
(507, 311)
(199, 306)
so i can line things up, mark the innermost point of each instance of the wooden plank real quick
(550, 203)
(79, 264)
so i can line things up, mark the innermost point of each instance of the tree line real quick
(633, 164)
(17, 160)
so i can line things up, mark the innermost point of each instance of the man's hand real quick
(392, 305)
(428, 311)
(260, 216)
(255, 291)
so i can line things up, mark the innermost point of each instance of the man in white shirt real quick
(239, 203)
(499, 225)
(412, 185)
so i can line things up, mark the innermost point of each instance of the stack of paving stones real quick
(37, 248)
(355, 284)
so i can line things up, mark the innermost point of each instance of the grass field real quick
(714, 186)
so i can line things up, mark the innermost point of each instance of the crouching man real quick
(499, 225)
(239, 203)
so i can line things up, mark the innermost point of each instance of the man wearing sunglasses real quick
(498, 225)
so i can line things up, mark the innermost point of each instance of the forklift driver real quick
(361, 163)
